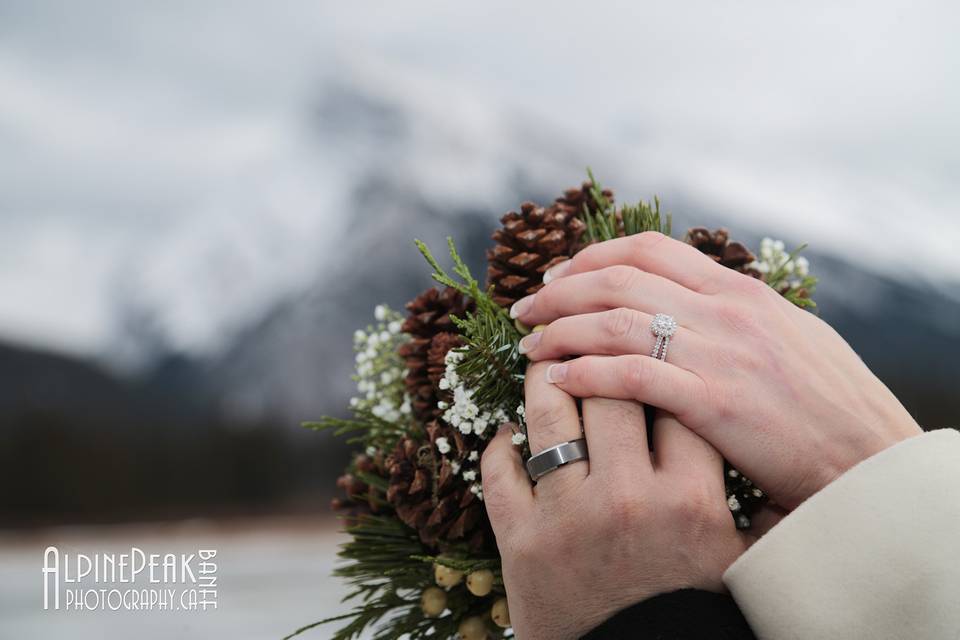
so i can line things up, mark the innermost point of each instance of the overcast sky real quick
(139, 145)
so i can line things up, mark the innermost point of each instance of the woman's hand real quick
(596, 536)
(777, 391)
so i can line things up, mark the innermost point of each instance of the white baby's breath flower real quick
(518, 438)
(380, 312)
(394, 327)
(733, 503)
(476, 489)
(443, 446)
(455, 466)
(474, 456)
(371, 451)
(470, 475)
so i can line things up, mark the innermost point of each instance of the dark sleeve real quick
(688, 614)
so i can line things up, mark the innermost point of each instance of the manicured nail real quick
(556, 373)
(556, 271)
(530, 342)
(521, 306)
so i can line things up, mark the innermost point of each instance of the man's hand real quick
(596, 536)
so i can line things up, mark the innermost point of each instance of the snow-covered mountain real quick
(170, 173)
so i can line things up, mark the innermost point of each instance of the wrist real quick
(873, 442)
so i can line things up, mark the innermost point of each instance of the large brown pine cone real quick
(428, 496)
(717, 245)
(535, 239)
(429, 319)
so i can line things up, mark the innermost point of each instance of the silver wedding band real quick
(555, 457)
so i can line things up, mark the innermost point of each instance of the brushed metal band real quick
(555, 457)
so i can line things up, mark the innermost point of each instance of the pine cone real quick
(717, 245)
(360, 498)
(440, 345)
(429, 318)
(532, 241)
(428, 497)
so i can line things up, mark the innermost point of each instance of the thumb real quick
(506, 486)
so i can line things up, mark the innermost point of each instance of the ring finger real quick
(616, 332)
(552, 418)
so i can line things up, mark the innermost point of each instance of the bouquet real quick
(434, 385)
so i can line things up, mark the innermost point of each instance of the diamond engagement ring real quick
(663, 326)
(555, 457)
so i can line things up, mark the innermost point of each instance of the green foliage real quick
(465, 562)
(388, 569)
(366, 429)
(607, 223)
(491, 365)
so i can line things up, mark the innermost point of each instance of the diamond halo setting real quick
(663, 326)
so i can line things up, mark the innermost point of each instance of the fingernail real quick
(521, 306)
(530, 342)
(556, 373)
(556, 271)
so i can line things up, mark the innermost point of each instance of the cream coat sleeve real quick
(875, 554)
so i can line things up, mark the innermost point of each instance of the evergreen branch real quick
(491, 365)
(607, 223)
(372, 430)
(464, 564)
(388, 568)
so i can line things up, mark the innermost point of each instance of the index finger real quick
(651, 252)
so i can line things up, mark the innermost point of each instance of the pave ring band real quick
(555, 457)
(663, 326)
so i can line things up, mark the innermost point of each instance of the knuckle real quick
(619, 278)
(618, 323)
(545, 417)
(750, 287)
(648, 239)
(737, 316)
(744, 360)
(623, 511)
(723, 402)
(701, 509)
